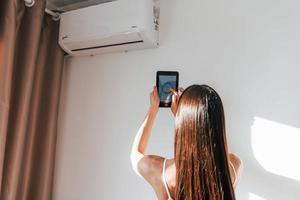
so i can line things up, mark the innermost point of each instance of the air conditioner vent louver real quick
(104, 46)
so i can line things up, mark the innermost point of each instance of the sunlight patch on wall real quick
(255, 197)
(276, 147)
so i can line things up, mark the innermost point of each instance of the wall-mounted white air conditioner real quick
(120, 25)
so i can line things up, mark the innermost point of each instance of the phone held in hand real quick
(165, 80)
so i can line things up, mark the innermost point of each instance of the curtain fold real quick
(31, 64)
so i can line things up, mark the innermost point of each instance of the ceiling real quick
(67, 5)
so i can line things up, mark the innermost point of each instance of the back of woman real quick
(201, 157)
(203, 167)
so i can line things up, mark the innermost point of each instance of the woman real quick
(202, 168)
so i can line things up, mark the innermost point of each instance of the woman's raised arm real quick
(141, 139)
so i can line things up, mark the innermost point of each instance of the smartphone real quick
(164, 81)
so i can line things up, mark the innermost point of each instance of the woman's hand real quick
(175, 98)
(154, 99)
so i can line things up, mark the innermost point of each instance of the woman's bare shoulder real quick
(237, 165)
(235, 160)
(150, 167)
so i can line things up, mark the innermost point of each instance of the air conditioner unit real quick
(115, 26)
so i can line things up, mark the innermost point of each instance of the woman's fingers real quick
(174, 103)
(173, 91)
(155, 89)
(174, 99)
(180, 90)
(154, 98)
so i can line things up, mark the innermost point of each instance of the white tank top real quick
(164, 180)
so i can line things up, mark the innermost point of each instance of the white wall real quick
(247, 50)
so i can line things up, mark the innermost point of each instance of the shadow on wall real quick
(271, 145)
(275, 149)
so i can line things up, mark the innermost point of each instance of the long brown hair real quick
(201, 158)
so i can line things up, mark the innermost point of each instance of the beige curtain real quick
(30, 80)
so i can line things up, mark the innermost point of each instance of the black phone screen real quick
(165, 81)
